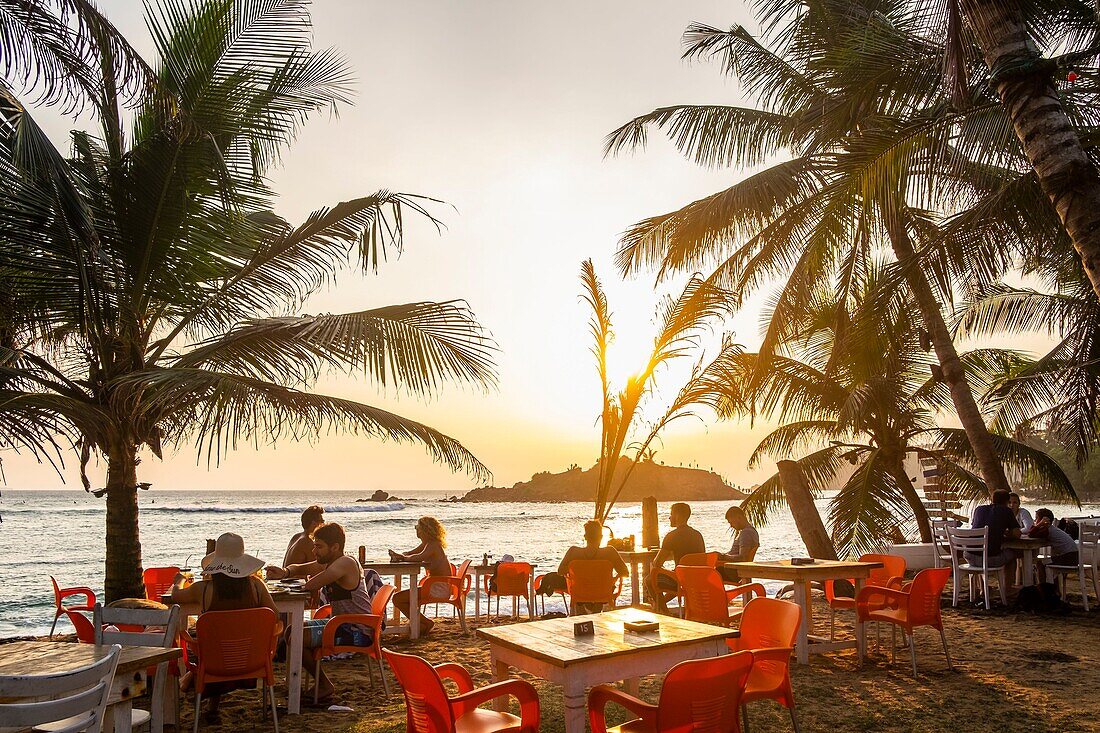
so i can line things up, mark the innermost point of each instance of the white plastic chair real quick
(941, 543)
(1088, 562)
(975, 542)
(79, 698)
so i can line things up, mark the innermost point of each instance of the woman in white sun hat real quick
(230, 583)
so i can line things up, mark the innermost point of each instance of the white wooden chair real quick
(975, 542)
(79, 698)
(941, 543)
(161, 629)
(1088, 562)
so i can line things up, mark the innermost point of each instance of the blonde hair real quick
(433, 529)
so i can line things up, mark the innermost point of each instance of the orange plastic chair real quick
(917, 605)
(707, 600)
(373, 621)
(236, 645)
(592, 582)
(697, 695)
(710, 559)
(768, 629)
(85, 629)
(430, 709)
(513, 579)
(890, 575)
(158, 581)
(456, 586)
(60, 594)
(707, 559)
(538, 594)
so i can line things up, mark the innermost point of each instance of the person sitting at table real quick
(593, 537)
(344, 585)
(746, 541)
(1002, 525)
(432, 554)
(1023, 516)
(229, 583)
(681, 540)
(299, 550)
(1063, 549)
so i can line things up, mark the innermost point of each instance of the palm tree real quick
(862, 401)
(149, 295)
(682, 322)
(870, 150)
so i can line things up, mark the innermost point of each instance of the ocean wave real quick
(394, 506)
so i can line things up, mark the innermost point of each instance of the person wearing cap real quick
(345, 586)
(229, 583)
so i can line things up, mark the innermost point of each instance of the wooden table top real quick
(1026, 543)
(553, 641)
(820, 570)
(640, 554)
(54, 657)
(278, 593)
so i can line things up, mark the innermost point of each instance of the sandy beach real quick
(1013, 672)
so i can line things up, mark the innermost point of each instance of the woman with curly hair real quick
(430, 553)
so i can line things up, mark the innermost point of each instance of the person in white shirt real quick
(1023, 516)
(746, 541)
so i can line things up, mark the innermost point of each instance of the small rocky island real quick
(666, 483)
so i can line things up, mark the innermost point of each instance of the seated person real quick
(746, 541)
(229, 583)
(299, 550)
(343, 585)
(1023, 516)
(1063, 549)
(1002, 525)
(681, 540)
(432, 554)
(593, 537)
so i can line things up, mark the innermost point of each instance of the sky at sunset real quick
(498, 108)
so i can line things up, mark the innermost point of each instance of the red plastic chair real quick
(917, 605)
(768, 629)
(373, 621)
(706, 559)
(890, 575)
(158, 581)
(709, 559)
(85, 629)
(236, 645)
(702, 695)
(60, 594)
(592, 582)
(513, 579)
(456, 586)
(430, 709)
(538, 594)
(706, 598)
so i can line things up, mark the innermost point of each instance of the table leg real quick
(802, 597)
(477, 596)
(635, 596)
(632, 686)
(500, 673)
(1029, 567)
(861, 639)
(117, 717)
(294, 661)
(647, 570)
(575, 706)
(531, 598)
(397, 589)
(414, 608)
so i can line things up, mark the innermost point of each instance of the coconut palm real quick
(150, 296)
(862, 400)
(849, 102)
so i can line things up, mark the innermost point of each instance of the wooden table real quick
(397, 571)
(548, 649)
(636, 559)
(801, 576)
(293, 603)
(30, 658)
(1029, 548)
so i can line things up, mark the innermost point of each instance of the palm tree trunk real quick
(920, 513)
(123, 565)
(966, 408)
(1024, 82)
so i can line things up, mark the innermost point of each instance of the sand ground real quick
(1013, 672)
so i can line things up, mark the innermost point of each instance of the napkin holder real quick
(802, 561)
(641, 626)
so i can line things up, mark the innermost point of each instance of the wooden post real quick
(804, 511)
(650, 536)
(210, 546)
(362, 554)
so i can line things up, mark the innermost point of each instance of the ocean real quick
(60, 533)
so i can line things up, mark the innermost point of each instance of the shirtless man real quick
(300, 549)
(432, 554)
(340, 579)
